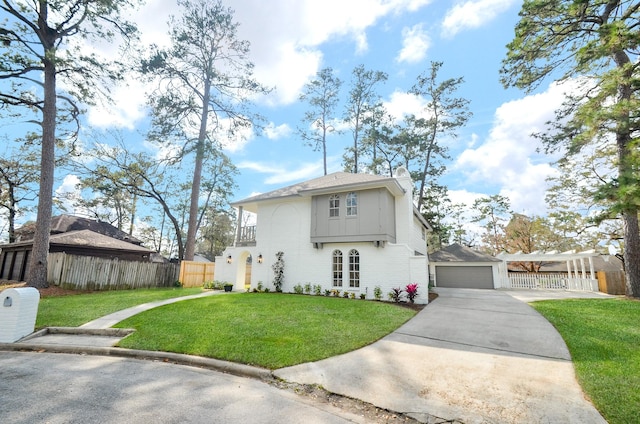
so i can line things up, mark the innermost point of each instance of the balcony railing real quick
(246, 236)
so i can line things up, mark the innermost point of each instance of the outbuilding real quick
(458, 266)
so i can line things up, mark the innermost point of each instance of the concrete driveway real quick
(476, 356)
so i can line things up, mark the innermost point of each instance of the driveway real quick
(476, 356)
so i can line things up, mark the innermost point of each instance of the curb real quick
(240, 370)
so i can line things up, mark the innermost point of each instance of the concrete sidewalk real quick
(474, 356)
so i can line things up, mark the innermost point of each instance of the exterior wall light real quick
(260, 258)
(229, 259)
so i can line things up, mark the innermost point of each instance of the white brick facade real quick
(283, 224)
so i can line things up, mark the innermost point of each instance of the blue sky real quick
(292, 40)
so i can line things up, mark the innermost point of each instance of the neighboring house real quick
(461, 267)
(14, 257)
(66, 223)
(350, 232)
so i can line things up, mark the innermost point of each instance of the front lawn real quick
(77, 309)
(267, 330)
(603, 337)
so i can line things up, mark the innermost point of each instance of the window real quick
(352, 204)
(334, 205)
(354, 268)
(336, 265)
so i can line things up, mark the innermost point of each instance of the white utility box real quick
(18, 311)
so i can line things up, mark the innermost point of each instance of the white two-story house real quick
(343, 231)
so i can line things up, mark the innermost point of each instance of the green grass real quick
(75, 310)
(603, 337)
(266, 330)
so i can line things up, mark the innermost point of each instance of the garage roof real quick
(459, 253)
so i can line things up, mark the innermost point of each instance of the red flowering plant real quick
(412, 291)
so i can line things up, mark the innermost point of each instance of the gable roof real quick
(458, 253)
(332, 183)
(66, 223)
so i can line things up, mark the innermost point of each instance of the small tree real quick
(322, 94)
(278, 271)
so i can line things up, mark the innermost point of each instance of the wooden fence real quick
(612, 282)
(90, 273)
(557, 281)
(194, 274)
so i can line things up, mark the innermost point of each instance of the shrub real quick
(266, 290)
(260, 286)
(278, 271)
(317, 289)
(327, 292)
(177, 283)
(352, 295)
(363, 296)
(377, 293)
(297, 289)
(307, 288)
(412, 291)
(345, 295)
(395, 294)
(335, 292)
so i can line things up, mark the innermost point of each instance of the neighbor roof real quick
(66, 223)
(338, 181)
(94, 240)
(458, 253)
(88, 239)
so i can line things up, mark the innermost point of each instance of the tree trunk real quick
(190, 246)
(632, 252)
(37, 276)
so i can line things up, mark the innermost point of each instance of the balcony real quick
(246, 236)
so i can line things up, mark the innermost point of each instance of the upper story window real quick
(352, 204)
(334, 205)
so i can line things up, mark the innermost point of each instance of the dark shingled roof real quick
(458, 253)
(66, 223)
(93, 240)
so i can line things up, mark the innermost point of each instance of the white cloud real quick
(68, 193)
(415, 43)
(125, 111)
(281, 175)
(509, 157)
(274, 132)
(285, 38)
(472, 14)
(401, 103)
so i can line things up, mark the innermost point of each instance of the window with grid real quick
(334, 206)
(336, 266)
(354, 268)
(352, 204)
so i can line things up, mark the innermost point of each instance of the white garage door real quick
(468, 277)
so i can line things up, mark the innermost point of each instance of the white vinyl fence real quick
(90, 273)
(558, 281)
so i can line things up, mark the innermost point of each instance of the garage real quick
(458, 266)
(475, 277)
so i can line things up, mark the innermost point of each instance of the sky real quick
(292, 40)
